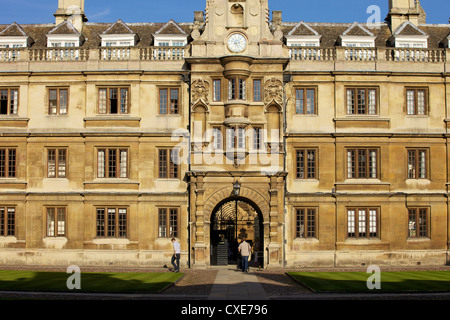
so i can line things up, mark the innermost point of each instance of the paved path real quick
(231, 284)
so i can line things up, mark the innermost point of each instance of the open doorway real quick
(233, 219)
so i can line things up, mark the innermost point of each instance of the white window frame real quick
(167, 40)
(63, 40)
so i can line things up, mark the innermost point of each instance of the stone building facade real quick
(325, 144)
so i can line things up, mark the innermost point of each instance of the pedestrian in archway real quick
(245, 250)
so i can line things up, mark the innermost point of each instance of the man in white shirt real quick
(245, 250)
(176, 255)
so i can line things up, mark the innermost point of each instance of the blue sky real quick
(41, 11)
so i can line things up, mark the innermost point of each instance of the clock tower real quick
(237, 103)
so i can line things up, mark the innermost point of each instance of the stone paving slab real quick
(231, 284)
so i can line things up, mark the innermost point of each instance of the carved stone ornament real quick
(273, 92)
(200, 92)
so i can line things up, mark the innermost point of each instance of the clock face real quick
(237, 42)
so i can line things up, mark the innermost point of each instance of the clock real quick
(237, 42)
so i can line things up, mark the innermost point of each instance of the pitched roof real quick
(302, 29)
(118, 27)
(357, 29)
(13, 30)
(65, 27)
(408, 29)
(171, 27)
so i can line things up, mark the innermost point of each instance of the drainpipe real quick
(187, 80)
(284, 127)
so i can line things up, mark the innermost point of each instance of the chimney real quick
(72, 10)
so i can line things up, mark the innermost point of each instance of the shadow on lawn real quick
(360, 286)
(90, 282)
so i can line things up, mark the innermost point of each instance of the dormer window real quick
(357, 36)
(303, 36)
(170, 35)
(119, 35)
(14, 37)
(408, 35)
(64, 35)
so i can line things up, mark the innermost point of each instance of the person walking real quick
(245, 250)
(176, 255)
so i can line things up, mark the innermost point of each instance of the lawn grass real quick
(391, 282)
(90, 282)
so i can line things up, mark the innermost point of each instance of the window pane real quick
(173, 163)
(102, 101)
(2, 222)
(173, 223)
(11, 222)
(299, 102)
(12, 163)
(53, 101)
(362, 223)
(217, 90)
(300, 164)
(14, 103)
(163, 163)
(373, 223)
(351, 164)
(373, 164)
(63, 101)
(423, 222)
(2, 163)
(311, 164)
(422, 164)
(163, 101)
(101, 163)
(351, 222)
(123, 100)
(361, 101)
(113, 101)
(310, 102)
(111, 222)
(61, 163)
(61, 222)
(50, 222)
(257, 90)
(174, 101)
(362, 163)
(112, 163)
(123, 223)
(412, 223)
(411, 164)
(372, 102)
(162, 223)
(100, 222)
(311, 223)
(300, 223)
(123, 163)
(350, 101)
(217, 135)
(4, 102)
(421, 107)
(410, 101)
(51, 164)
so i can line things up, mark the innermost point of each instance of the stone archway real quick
(207, 195)
(233, 219)
(247, 194)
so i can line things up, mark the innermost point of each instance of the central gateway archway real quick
(233, 219)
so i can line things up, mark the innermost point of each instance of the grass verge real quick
(391, 282)
(32, 281)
